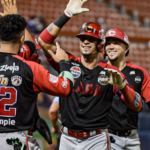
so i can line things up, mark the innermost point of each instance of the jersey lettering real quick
(12, 93)
(89, 89)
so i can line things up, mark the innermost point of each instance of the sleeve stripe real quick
(67, 75)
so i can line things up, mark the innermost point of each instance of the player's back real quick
(17, 96)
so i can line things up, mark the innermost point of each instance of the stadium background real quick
(132, 16)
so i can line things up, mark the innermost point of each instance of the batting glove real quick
(74, 7)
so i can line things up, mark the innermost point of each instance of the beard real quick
(87, 54)
(112, 60)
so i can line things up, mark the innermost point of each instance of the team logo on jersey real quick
(138, 79)
(76, 71)
(3, 80)
(53, 78)
(75, 64)
(64, 83)
(102, 77)
(16, 80)
(102, 72)
(132, 72)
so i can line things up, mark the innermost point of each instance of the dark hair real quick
(11, 26)
(127, 53)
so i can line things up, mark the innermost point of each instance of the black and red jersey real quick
(20, 82)
(88, 106)
(120, 116)
(27, 50)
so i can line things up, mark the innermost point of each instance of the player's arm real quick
(131, 98)
(43, 81)
(145, 90)
(28, 48)
(47, 37)
(53, 115)
(10, 7)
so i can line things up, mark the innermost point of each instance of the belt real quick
(82, 134)
(30, 133)
(120, 133)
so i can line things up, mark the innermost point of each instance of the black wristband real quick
(64, 66)
(61, 21)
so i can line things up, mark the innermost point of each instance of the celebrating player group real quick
(99, 98)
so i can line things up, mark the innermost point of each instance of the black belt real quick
(120, 133)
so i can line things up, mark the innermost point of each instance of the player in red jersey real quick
(123, 120)
(84, 112)
(21, 81)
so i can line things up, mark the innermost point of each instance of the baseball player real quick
(123, 120)
(21, 81)
(84, 111)
(54, 116)
(28, 52)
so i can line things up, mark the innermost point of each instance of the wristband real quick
(62, 20)
(64, 65)
(67, 75)
(47, 37)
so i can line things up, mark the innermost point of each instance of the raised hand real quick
(114, 79)
(9, 7)
(59, 55)
(74, 7)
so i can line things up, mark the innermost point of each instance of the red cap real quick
(117, 33)
(92, 29)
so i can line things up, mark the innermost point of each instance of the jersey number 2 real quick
(10, 112)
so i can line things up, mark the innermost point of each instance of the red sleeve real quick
(128, 95)
(56, 65)
(43, 81)
(25, 52)
(145, 90)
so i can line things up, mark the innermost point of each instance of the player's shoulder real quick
(72, 57)
(27, 62)
(131, 65)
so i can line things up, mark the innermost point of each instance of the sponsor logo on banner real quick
(112, 33)
(138, 79)
(102, 77)
(76, 71)
(16, 80)
(11, 68)
(3, 80)
(53, 79)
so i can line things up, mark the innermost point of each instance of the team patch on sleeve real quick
(64, 83)
(53, 79)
